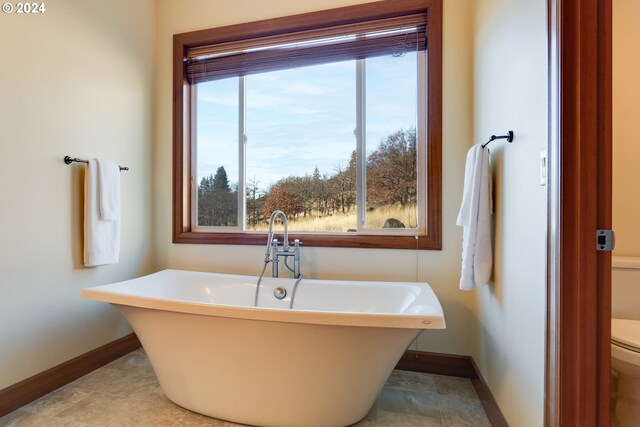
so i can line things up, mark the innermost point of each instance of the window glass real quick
(300, 153)
(391, 169)
(300, 147)
(216, 162)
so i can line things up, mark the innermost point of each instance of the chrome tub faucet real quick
(275, 250)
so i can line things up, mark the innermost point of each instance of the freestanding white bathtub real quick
(320, 364)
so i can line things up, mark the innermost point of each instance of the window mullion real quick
(422, 197)
(242, 141)
(361, 149)
(193, 136)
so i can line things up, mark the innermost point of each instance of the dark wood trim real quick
(604, 80)
(316, 240)
(17, 395)
(434, 126)
(437, 363)
(581, 298)
(182, 231)
(491, 408)
(457, 366)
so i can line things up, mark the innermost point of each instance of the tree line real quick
(391, 179)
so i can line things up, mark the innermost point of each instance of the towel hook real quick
(508, 137)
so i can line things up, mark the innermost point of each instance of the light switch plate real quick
(543, 167)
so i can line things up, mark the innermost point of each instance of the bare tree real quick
(255, 201)
(391, 170)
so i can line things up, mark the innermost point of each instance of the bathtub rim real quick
(385, 320)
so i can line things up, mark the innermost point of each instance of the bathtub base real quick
(268, 373)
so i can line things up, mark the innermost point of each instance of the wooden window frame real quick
(182, 227)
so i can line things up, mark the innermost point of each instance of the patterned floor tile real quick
(454, 386)
(395, 419)
(419, 402)
(126, 393)
(56, 401)
(98, 409)
(411, 381)
(462, 412)
(22, 418)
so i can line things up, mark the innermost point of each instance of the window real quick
(333, 117)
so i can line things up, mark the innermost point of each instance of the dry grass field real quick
(344, 222)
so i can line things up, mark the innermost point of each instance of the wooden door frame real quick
(579, 291)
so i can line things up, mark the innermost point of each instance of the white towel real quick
(108, 189)
(475, 217)
(101, 200)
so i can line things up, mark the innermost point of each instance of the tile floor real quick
(125, 393)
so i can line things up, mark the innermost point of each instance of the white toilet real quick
(625, 341)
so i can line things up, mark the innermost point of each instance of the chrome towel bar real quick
(68, 160)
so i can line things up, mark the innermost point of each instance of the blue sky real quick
(302, 118)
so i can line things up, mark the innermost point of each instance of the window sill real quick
(313, 240)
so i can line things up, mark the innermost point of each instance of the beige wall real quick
(510, 92)
(75, 80)
(439, 268)
(626, 127)
(107, 106)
